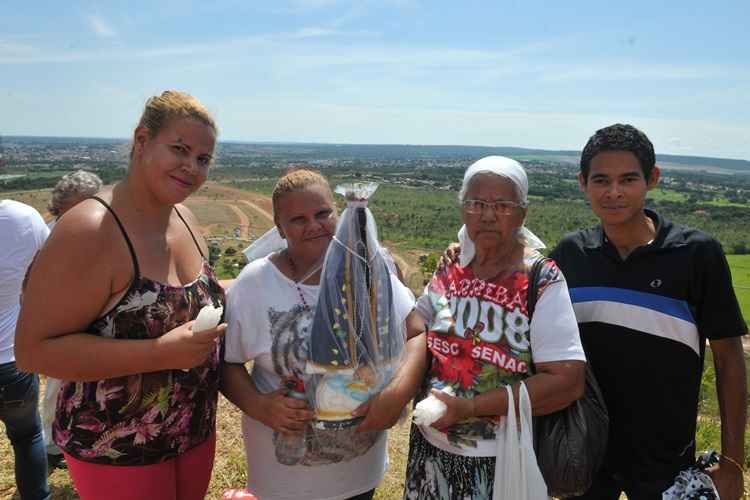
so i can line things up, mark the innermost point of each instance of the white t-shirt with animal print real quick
(268, 323)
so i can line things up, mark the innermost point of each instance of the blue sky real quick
(498, 73)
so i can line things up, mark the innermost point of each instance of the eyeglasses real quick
(499, 207)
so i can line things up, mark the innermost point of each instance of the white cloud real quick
(314, 4)
(320, 82)
(313, 32)
(294, 47)
(628, 71)
(15, 50)
(101, 27)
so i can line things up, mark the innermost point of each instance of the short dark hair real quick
(619, 137)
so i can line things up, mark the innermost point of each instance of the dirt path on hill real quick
(406, 269)
(261, 201)
(244, 221)
(262, 211)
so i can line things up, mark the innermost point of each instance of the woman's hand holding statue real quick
(284, 414)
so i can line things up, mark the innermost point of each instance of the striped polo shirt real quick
(644, 322)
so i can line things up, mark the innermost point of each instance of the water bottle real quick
(290, 449)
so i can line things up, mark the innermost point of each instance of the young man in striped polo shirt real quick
(648, 294)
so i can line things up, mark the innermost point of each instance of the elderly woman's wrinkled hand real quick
(457, 409)
(450, 256)
(285, 414)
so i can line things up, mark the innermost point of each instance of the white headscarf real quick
(512, 170)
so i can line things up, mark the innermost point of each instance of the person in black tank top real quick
(109, 308)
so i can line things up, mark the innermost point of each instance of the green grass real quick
(229, 465)
(740, 267)
(723, 202)
(669, 195)
(663, 194)
(708, 434)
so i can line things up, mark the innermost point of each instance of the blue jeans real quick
(19, 411)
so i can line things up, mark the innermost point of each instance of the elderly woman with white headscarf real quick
(481, 339)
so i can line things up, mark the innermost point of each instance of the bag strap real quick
(532, 294)
(534, 274)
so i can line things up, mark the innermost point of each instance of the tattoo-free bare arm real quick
(731, 391)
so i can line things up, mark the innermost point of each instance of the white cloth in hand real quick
(431, 409)
(208, 318)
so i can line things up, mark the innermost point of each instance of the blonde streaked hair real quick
(297, 179)
(172, 104)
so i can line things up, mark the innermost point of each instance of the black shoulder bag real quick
(570, 444)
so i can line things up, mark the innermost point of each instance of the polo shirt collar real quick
(667, 234)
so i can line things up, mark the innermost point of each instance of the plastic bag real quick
(356, 339)
(517, 476)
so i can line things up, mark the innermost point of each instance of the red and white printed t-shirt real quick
(480, 339)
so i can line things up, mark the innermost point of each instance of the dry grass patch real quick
(229, 466)
(38, 199)
(257, 223)
(210, 212)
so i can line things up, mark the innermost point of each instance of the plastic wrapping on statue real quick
(356, 339)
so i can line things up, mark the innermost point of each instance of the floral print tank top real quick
(145, 418)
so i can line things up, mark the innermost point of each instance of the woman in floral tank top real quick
(136, 417)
